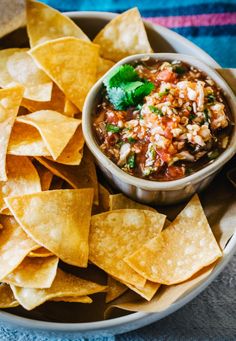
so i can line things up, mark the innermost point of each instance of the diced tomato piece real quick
(166, 76)
(112, 139)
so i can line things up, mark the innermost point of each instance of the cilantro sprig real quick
(125, 88)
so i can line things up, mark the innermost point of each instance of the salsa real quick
(162, 121)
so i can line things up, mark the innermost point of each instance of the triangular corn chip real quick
(114, 289)
(71, 63)
(37, 273)
(40, 252)
(18, 67)
(73, 152)
(7, 299)
(123, 36)
(63, 285)
(9, 104)
(58, 220)
(55, 129)
(147, 292)
(22, 179)
(71, 299)
(45, 23)
(26, 140)
(45, 176)
(70, 109)
(14, 245)
(103, 66)
(120, 201)
(117, 234)
(186, 246)
(82, 176)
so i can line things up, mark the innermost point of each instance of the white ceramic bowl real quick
(163, 40)
(154, 192)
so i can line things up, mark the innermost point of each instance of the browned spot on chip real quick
(58, 220)
(183, 248)
(117, 234)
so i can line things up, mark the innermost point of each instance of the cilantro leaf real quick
(122, 74)
(131, 161)
(156, 111)
(112, 128)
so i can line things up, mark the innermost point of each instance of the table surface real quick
(211, 25)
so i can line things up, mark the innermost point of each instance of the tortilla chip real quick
(50, 125)
(18, 67)
(45, 177)
(22, 179)
(9, 104)
(120, 201)
(73, 152)
(103, 66)
(71, 63)
(40, 252)
(56, 103)
(147, 292)
(58, 220)
(114, 289)
(7, 299)
(26, 140)
(37, 273)
(80, 299)
(82, 176)
(117, 234)
(103, 195)
(64, 285)
(70, 109)
(123, 36)
(14, 245)
(183, 248)
(45, 23)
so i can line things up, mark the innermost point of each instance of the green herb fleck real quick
(131, 161)
(139, 107)
(206, 115)
(213, 155)
(112, 128)
(179, 69)
(131, 140)
(211, 98)
(192, 116)
(163, 93)
(156, 111)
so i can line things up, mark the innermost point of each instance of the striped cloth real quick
(210, 24)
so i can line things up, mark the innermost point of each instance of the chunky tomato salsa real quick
(161, 120)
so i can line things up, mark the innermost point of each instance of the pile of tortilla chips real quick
(49, 192)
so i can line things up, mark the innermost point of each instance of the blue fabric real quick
(211, 316)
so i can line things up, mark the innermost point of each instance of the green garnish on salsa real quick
(161, 120)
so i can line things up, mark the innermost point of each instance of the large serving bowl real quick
(156, 192)
(39, 320)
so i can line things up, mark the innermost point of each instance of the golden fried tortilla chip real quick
(70, 109)
(55, 129)
(183, 248)
(123, 36)
(71, 299)
(71, 63)
(45, 176)
(56, 103)
(103, 195)
(37, 273)
(14, 245)
(120, 201)
(58, 220)
(82, 176)
(18, 67)
(22, 179)
(147, 292)
(45, 23)
(26, 140)
(64, 285)
(114, 289)
(7, 299)
(103, 66)
(9, 104)
(117, 234)
(73, 152)
(40, 252)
